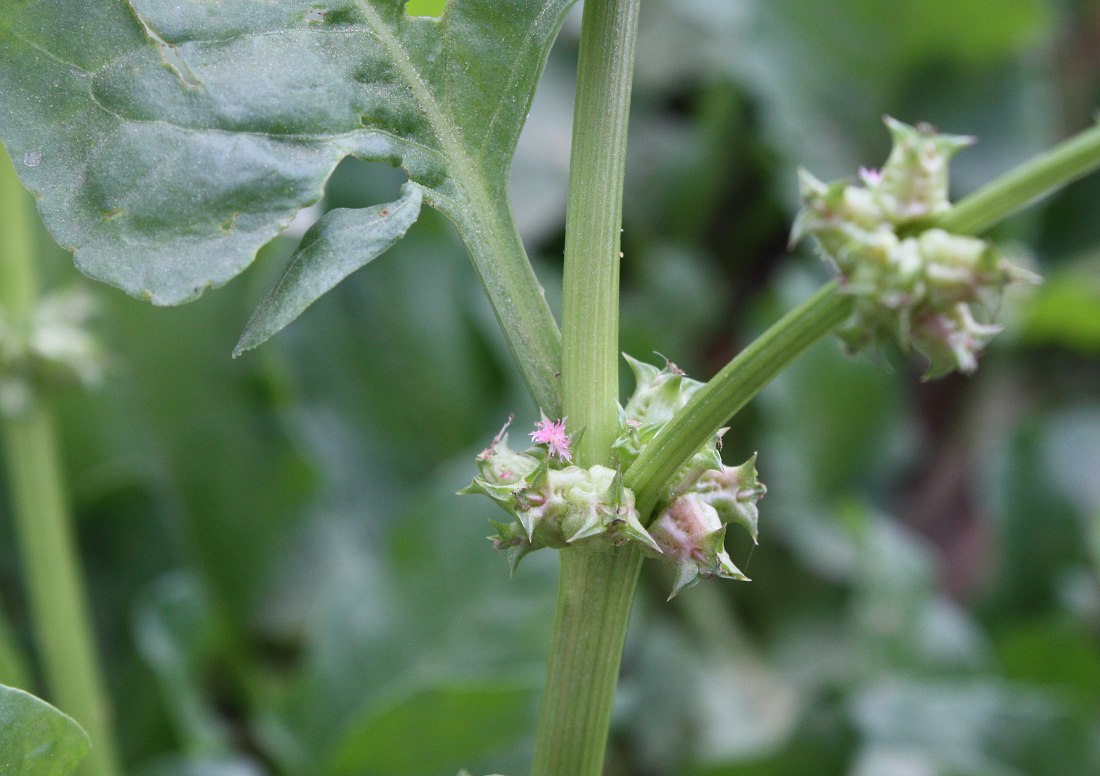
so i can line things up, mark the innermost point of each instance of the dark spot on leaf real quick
(384, 212)
(342, 16)
(374, 71)
(229, 224)
(315, 14)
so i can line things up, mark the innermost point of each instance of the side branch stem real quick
(1035, 178)
(731, 389)
(760, 362)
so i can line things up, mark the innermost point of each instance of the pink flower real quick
(552, 434)
(870, 176)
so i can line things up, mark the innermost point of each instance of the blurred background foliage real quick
(283, 582)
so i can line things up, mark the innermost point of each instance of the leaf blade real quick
(187, 136)
(37, 739)
(193, 138)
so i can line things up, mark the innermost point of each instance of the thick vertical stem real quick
(595, 590)
(595, 593)
(590, 307)
(47, 549)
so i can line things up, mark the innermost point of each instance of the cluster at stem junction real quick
(924, 287)
(551, 502)
(53, 348)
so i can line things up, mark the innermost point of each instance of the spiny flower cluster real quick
(928, 289)
(554, 503)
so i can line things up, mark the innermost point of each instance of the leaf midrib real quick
(445, 130)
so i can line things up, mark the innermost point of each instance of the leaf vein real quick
(444, 129)
(40, 48)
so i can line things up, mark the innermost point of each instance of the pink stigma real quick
(870, 176)
(552, 434)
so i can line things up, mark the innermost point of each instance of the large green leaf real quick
(167, 142)
(35, 738)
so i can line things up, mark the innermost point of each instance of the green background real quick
(284, 582)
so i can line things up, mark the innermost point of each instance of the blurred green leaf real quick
(967, 728)
(823, 73)
(424, 7)
(900, 619)
(35, 738)
(175, 633)
(229, 481)
(170, 766)
(392, 609)
(453, 721)
(704, 698)
(1062, 311)
(414, 374)
(1036, 531)
(1051, 653)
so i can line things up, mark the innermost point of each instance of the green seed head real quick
(929, 290)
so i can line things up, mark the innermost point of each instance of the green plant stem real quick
(47, 549)
(595, 590)
(590, 305)
(595, 595)
(1037, 177)
(731, 389)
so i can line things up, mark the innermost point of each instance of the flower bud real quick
(691, 536)
(913, 182)
(553, 504)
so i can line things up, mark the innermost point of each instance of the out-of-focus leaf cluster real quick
(285, 584)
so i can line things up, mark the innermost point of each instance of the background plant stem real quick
(51, 570)
(595, 590)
